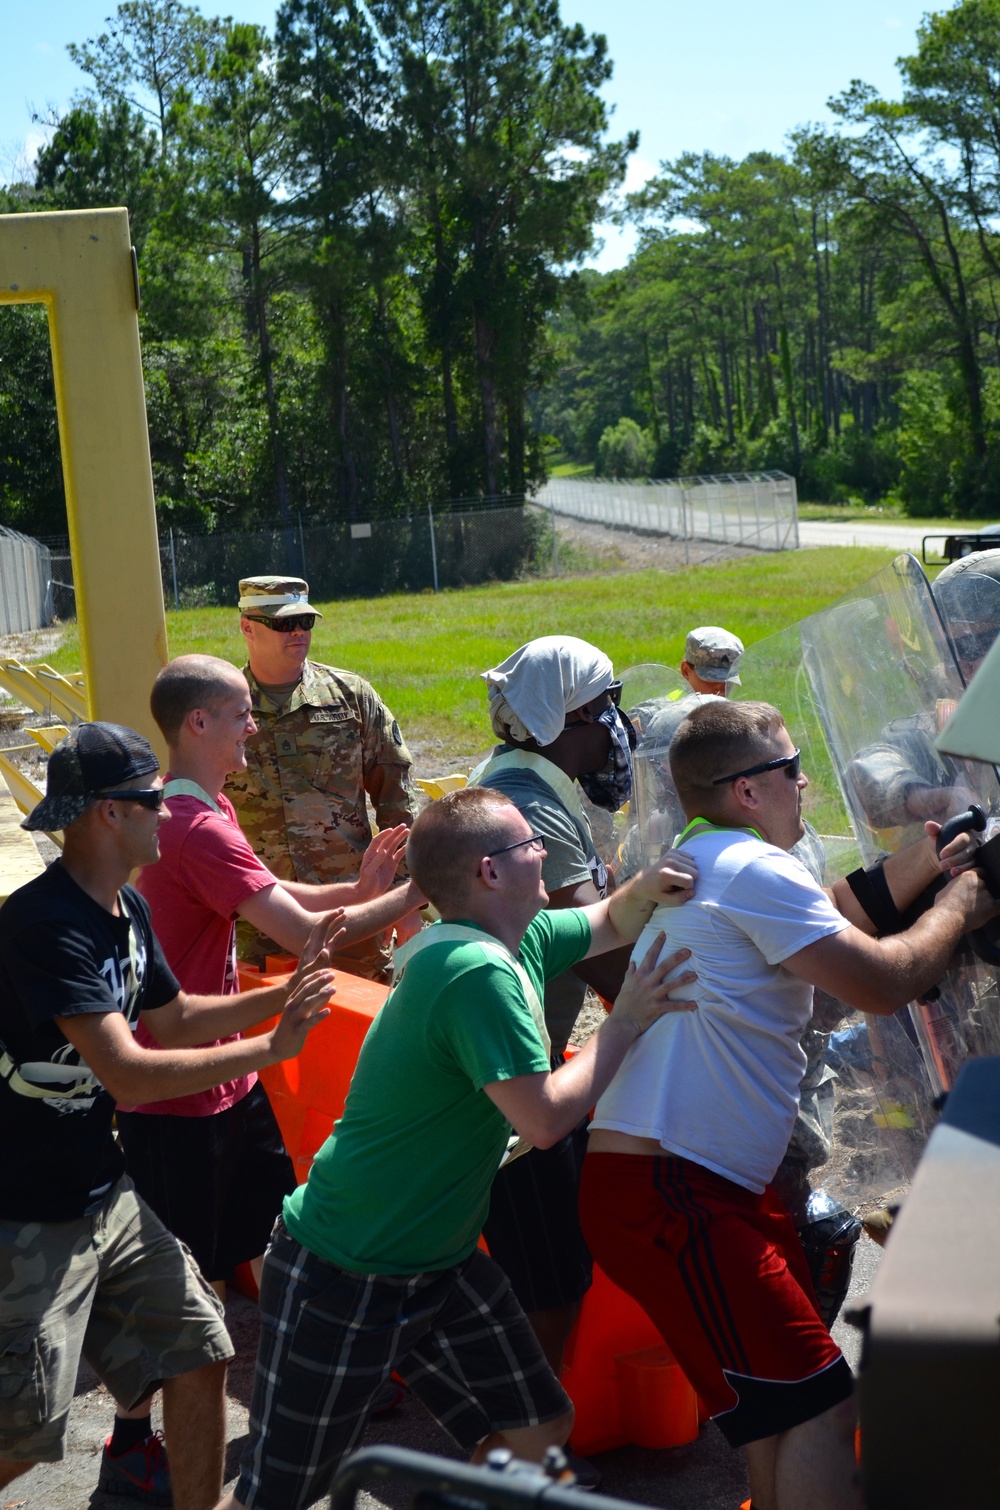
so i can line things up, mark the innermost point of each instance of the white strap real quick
(556, 780)
(179, 786)
(463, 933)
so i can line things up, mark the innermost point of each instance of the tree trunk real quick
(485, 341)
(281, 488)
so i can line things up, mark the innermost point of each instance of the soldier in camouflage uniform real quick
(324, 741)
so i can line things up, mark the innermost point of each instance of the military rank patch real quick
(287, 744)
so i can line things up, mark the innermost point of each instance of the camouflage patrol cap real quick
(714, 654)
(93, 758)
(275, 597)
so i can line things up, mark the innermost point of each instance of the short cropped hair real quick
(451, 833)
(189, 682)
(714, 740)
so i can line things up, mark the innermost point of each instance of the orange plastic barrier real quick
(657, 1406)
(613, 1330)
(308, 1093)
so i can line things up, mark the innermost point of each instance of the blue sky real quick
(725, 76)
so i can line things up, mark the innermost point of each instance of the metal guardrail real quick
(25, 583)
(758, 509)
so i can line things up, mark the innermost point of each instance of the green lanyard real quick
(699, 825)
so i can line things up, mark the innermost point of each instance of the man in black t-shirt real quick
(85, 1267)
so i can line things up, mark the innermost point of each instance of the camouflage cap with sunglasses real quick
(93, 758)
(275, 597)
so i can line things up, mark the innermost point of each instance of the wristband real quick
(871, 891)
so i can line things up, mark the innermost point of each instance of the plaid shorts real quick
(115, 1286)
(330, 1338)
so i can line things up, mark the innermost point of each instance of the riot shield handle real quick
(985, 942)
(973, 820)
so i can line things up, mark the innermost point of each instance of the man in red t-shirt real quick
(213, 1166)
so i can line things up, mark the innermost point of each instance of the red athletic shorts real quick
(721, 1273)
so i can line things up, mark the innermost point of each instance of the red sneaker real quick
(143, 1472)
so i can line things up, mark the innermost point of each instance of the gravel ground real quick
(609, 549)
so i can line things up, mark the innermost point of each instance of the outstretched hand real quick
(647, 991)
(380, 861)
(325, 935)
(305, 1005)
(310, 986)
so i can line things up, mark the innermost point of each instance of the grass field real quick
(424, 652)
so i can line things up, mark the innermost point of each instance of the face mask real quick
(612, 787)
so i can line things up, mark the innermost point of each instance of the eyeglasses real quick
(791, 764)
(294, 621)
(534, 841)
(151, 797)
(614, 695)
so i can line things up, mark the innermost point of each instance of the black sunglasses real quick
(151, 797)
(792, 764)
(293, 621)
(535, 840)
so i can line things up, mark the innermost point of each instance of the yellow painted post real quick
(78, 263)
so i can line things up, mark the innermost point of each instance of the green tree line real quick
(356, 235)
(833, 311)
(352, 235)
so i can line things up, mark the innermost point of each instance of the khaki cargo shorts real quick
(116, 1287)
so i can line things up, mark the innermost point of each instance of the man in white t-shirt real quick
(676, 1200)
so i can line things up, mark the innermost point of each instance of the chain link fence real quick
(758, 509)
(26, 599)
(497, 541)
(460, 544)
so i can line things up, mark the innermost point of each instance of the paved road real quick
(901, 537)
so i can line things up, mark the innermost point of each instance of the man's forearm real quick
(203, 1018)
(880, 976)
(916, 960)
(365, 919)
(325, 897)
(162, 1074)
(907, 874)
(546, 1110)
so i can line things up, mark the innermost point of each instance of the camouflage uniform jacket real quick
(301, 799)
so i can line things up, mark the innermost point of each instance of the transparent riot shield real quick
(656, 699)
(864, 686)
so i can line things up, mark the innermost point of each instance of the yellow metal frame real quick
(43, 689)
(79, 264)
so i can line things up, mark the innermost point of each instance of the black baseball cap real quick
(93, 758)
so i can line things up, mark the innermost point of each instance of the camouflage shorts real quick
(117, 1288)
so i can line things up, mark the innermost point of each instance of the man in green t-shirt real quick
(375, 1266)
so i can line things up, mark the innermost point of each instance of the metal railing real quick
(25, 583)
(758, 509)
